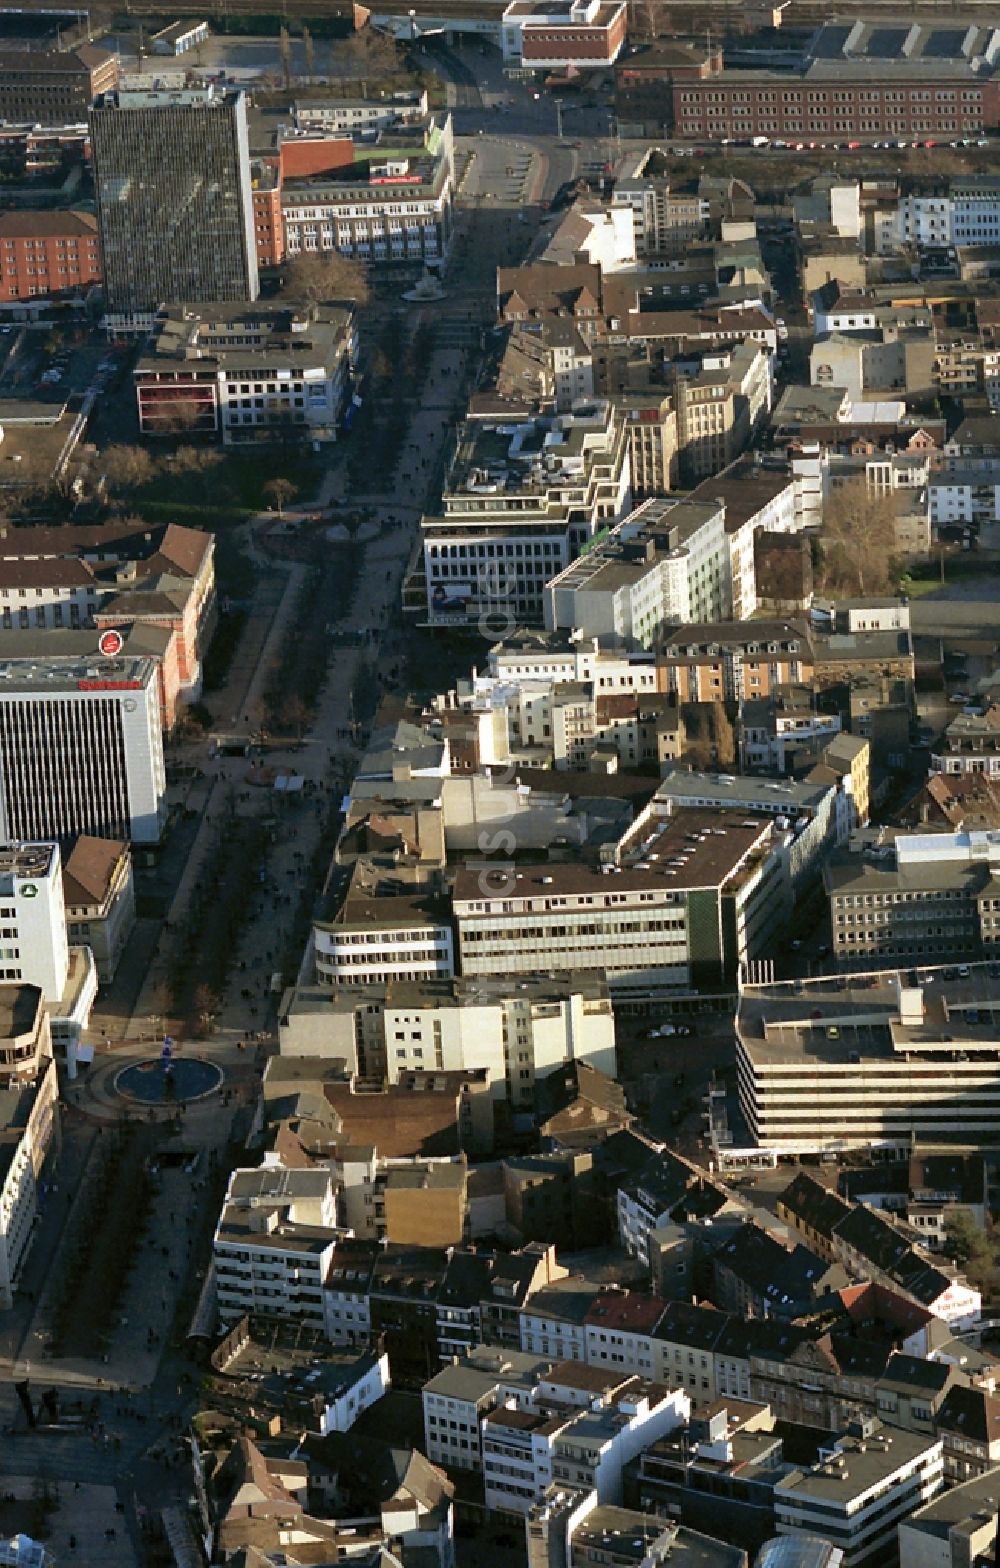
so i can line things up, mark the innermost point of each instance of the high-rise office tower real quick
(174, 197)
(81, 750)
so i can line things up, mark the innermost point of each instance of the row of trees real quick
(103, 1250)
(366, 56)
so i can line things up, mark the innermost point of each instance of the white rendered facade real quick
(520, 501)
(20, 1177)
(354, 953)
(859, 1492)
(518, 1032)
(274, 1243)
(968, 213)
(33, 941)
(627, 587)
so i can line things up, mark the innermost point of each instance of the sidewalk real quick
(83, 1525)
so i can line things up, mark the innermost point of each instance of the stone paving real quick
(83, 1527)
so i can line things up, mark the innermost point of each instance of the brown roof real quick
(541, 288)
(27, 224)
(399, 1123)
(617, 705)
(88, 871)
(48, 573)
(185, 548)
(93, 56)
(164, 548)
(68, 61)
(745, 487)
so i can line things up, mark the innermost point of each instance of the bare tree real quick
(324, 275)
(296, 713)
(285, 52)
(372, 53)
(279, 491)
(182, 415)
(709, 739)
(310, 53)
(127, 467)
(195, 459)
(204, 1007)
(858, 539)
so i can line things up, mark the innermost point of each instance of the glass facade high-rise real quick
(174, 197)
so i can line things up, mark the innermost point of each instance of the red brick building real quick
(891, 80)
(296, 157)
(555, 34)
(44, 253)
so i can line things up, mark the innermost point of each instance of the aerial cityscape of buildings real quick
(500, 787)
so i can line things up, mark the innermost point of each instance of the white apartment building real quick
(546, 723)
(81, 750)
(757, 498)
(457, 1400)
(553, 1321)
(852, 310)
(28, 1123)
(274, 1243)
(34, 947)
(525, 1449)
(347, 1314)
(960, 494)
(248, 373)
(519, 1030)
(521, 500)
(966, 213)
(668, 560)
(873, 1070)
(35, 952)
(818, 472)
(348, 1389)
(526, 656)
(860, 1490)
(772, 727)
(41, 595)
(665, 221)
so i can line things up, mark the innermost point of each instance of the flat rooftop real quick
(307, 1239)
(866, 1463)
(231, 335)
(31, 861)
(97, 675)
(691, 849)
(529, 455)
(20, 1006)
(462, 992)
(960, 1508)
(839, 1021)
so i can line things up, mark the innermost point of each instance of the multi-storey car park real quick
(879, 1061)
